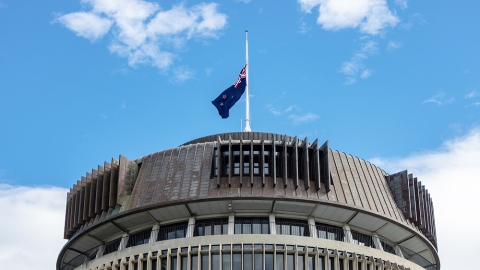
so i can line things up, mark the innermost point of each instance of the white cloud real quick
(300, 119)
(355, 66)
(450, 173)
(86, 25)
(476, 104)
(371, 16)
(142, 31)
(276, 111)
(403, 4)
(208, 71)
(366, 73)
(303, 28)
(393, 45)
(439, 99)
(472, 94)
(32, 217)
(181, 74)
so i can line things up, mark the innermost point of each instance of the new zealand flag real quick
(231, 95)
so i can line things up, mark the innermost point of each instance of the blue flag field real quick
(231, 95)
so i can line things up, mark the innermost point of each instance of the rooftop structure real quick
(248, 201)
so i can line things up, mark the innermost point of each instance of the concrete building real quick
(248, 201)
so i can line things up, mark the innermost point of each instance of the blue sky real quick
(82, 81)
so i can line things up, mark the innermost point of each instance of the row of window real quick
(250, 162)
(282, 257)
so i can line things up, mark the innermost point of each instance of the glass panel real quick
(280, 247)
(184, 263)
(226, 246)
(226, 259)
(311, 262)
(331, 263)
(258, 263)
(301, 262)
(194, 261)
(215, 261)
(247, 261)
(173, 263)
(204, 262)
(215, 247)
(144, 264)
(290, 261)
(237, 261)
(154, 264)
(268, 261)
(280, 261)
(321, 263)
(163, 264)
(268, 246)
(340, 264)
(258, 246)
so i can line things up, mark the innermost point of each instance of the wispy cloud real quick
(124, 105)
(3, 5)
(393, 45)
(208, 71)
(33, 215)
(355, 66)
(415, 19)
(301, 119)
(243, 1)
(403, 4)
(143, 32)
(474, 104)
(303, 27)
(439, 99)
(276, 111)
(370, 16)
(472, 94)
(451, 175)
(181, 74)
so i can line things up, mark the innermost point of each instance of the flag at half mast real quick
(231, 95)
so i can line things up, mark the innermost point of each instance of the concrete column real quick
(231, 223)
(312, 228)
(123, 242)
(347, 233)
(100, 251)
(154, 233)
(271, 222)
(398, 251)
(191, 226)
(376, 242)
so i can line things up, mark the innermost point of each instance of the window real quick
(321, 263)
(216, 261)
(139, 238)
(266, 164)
(205, 261)
(291, 227)
(251, 225)
(183, 262)
(226, 260)
(329, 232)
(237, 261)
(174, 231)
(280, 261)
(173, 263)
(268, 261)
(290, 261)
(247, 260)
(211, 227)
(258, 263)
(194, 261)
(226, 163)
(246, 162)
(256, 162)
(112, 246)
(214, 163)
(236, 162)
(301, 262)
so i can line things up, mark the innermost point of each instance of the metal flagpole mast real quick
(247, 110)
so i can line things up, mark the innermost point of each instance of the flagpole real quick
(247, 109)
